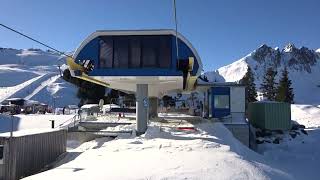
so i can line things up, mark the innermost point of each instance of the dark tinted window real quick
(164, 52)
(121, 57)
(106, 52)
(135, 52)
(149, 51)
(1, 152)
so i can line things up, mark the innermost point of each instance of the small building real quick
(90, 109)
(270, 115)
(27, 152)
(32, 107)
(71, 109)
(224, 101)
(20, 105)
(15, 101)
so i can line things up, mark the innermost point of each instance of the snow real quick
(175, 115)
(27, 132)
(88, 106)
(306, 86)
(108, 107)
(211, 152)
(235, 71)
(164, 154)
(308, 115)
(299, 156)
(32, 122)
(33, 74)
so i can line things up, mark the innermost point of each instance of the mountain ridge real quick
(302, 63)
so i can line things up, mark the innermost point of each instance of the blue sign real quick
(145, 102)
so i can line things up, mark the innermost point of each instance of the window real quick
(149, 50)
(121, 57)
(135, 51)
(165, 52)
(1, 153)
(106, 52)
(221, 101)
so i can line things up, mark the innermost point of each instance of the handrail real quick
(73, 118)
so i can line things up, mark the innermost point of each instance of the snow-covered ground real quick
(163, 154)
(32, 121)
(308, 115)
(34, 74)
(300, 156)
(209, 153)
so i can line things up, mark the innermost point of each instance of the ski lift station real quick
(144, 62)
(149, 63)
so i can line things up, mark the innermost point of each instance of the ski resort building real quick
(224, 100)
(149, 63)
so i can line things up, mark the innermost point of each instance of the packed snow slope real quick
(302, 63)
(33, 74)
(211, 152)
(165, 153)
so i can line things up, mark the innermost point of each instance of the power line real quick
(176, 24)
(32, 39)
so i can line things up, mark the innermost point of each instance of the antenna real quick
(176, 23)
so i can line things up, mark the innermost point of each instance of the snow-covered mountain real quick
(302, 63)
(34, 74)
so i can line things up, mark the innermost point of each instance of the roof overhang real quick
(138, 32)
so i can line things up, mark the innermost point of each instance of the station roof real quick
(138, 32)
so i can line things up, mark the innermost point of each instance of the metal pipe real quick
(176, 24)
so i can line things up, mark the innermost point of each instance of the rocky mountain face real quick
(302, 63)
(292, 57)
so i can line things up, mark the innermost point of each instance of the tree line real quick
(273, 91)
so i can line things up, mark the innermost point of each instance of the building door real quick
(220, 101)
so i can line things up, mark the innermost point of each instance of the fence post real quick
(52, 124)
(11, 132)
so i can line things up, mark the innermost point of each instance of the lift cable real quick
(176, 27)
(32, 39)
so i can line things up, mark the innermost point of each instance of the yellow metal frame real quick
(77, 67)
(191, 80)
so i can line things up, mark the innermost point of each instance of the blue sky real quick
(222, 31)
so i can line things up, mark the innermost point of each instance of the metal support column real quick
(142, 108)
(153, 107)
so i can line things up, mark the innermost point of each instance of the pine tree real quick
(248, 81)
(268, 86)
(284, 91)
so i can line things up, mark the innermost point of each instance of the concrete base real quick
(240, 132)
(142, 108)
(153, 107)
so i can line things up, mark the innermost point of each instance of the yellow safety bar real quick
(77, 67)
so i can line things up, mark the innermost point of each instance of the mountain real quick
(302, 63)
(34, 74)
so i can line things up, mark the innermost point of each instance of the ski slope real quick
(34, 75)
